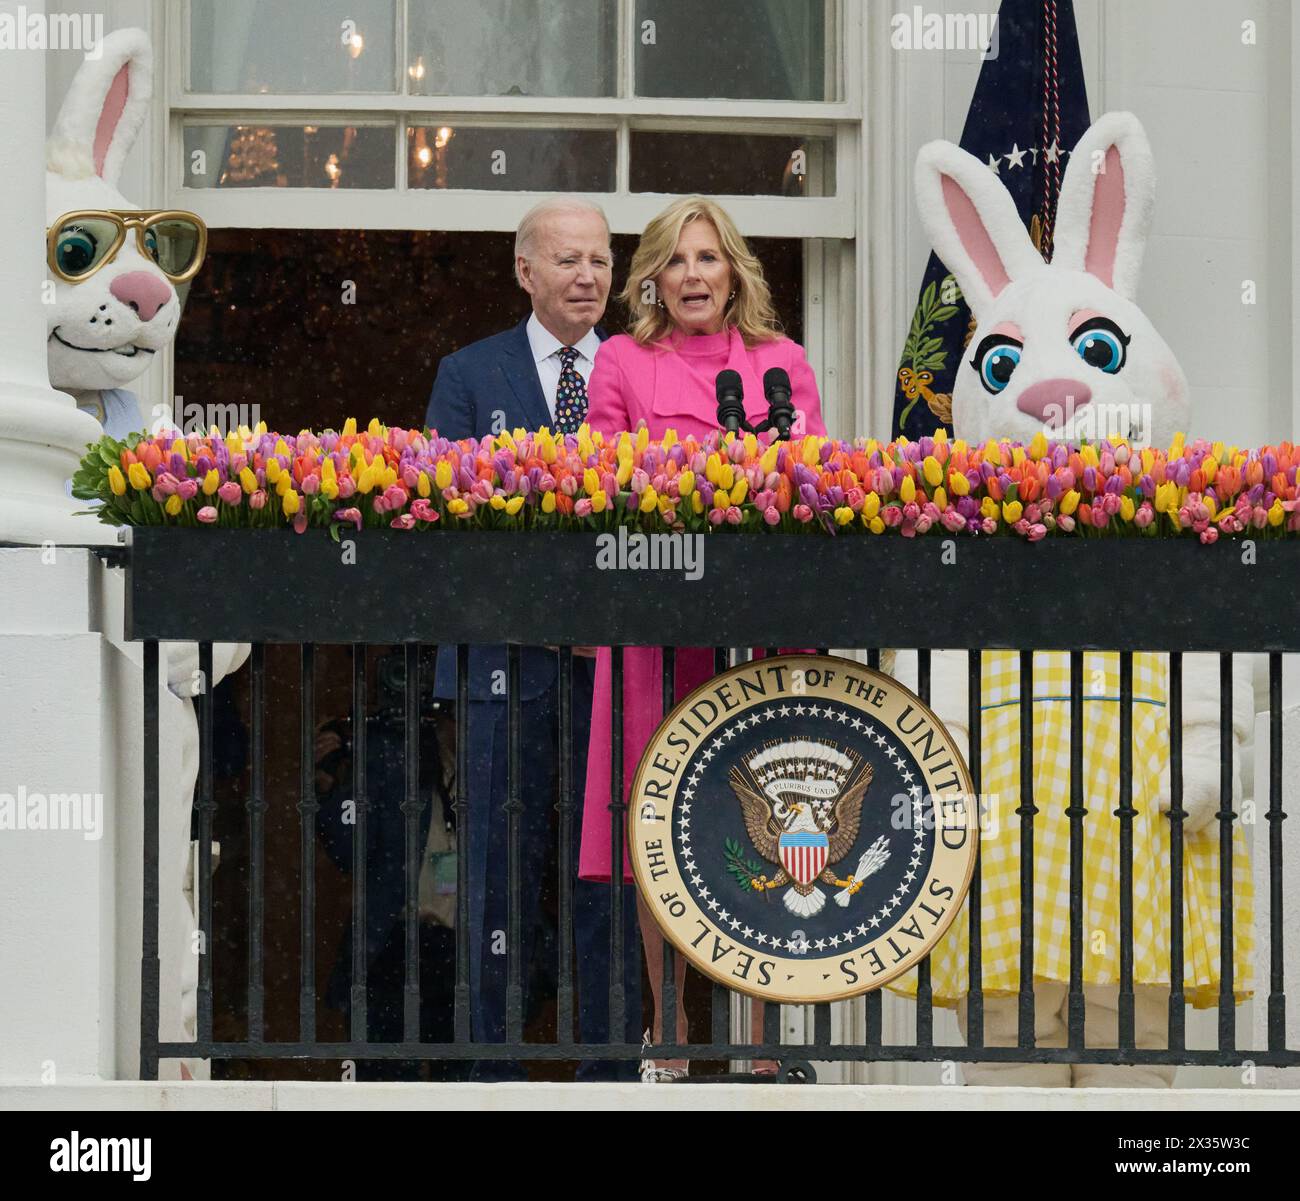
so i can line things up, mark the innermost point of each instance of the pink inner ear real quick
(1107, 217)
(114, 103)
(974, 237)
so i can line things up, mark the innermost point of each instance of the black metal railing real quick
(463, 589)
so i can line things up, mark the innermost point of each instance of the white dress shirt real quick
(546, 349)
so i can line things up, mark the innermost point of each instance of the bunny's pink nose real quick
(141, 291)
(1054, 400)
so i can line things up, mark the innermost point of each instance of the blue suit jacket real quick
(485, 387)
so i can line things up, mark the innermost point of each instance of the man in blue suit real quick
(530, 376)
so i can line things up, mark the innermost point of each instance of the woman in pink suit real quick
(699, 305)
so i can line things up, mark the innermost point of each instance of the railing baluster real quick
(668, 985)
(462, 1019)
(307, 807)
(617, 808)
(412, 807)
(203, 882)
(1076, 812)
(149, 965)
(1125, 813)
(1277, 966)
(1177, 814)
(1226, 816)
(975, 950)
(924, 989)
(1026, 812)
(567, 802)
(257, 845)
(514, 870)
(360, 850)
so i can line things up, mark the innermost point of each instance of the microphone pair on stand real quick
(731, 403)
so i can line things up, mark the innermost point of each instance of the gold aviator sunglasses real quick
(79, 243)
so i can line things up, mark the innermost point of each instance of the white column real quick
(42, 433)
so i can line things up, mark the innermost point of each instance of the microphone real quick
(731, 401)
(780, 408)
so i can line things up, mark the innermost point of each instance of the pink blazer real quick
(630, 383)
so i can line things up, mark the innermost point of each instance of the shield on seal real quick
(804, 855)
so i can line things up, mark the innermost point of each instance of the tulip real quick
(116, 481)
(207, 515)
(139, 476)
(230, 492)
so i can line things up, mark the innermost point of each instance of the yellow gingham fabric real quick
(1000, 844)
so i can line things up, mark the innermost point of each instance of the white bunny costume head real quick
(1059, 347)
(105, 331)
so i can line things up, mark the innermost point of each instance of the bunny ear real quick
(1106, 200)
(972, 222)
(104, 109)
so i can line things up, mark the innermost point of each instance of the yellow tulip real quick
(870, 506)
(599, 502)
(649, 501)
(642, 438)
(374, 429)
(1012, 510)
(624, 472)
(513, 505)
(422, 485)
(591, 482)
(721, 499)
(988, 507)
(876, 526)
(1038, 447)
(812, 451)
(1089, 456)
(498, 503)
(116, 481)
(273, 471)
(686, 483)
(907, 491)
(670, 439)
(751, 446)
(140, 478)
(940, 499)
(1277, 514)
(442, 475)
(933, 471)
(992, 453)
(290, 503)
(941, 435)
(1070, 502)
(329, 489)
(174, 505)
(713, 470)
(179, 448)
(548, 502)
(350, 427)
(458, 507)
(1126, 508)
(958, 484)
(281, 447)
(843, 515)
(767, 464)
(697, 502)
(248, 481)
(739, 491)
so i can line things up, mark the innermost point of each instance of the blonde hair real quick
(750, 311)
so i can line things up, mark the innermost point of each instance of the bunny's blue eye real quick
(76, 251)
(996, 359)
(1102, 344)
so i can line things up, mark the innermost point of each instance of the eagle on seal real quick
(802, 805)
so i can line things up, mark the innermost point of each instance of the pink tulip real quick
(231, 492)
(583, 507)
(405, 522)
(352, 515)
(187, 489)
(257, 500)
(207, 514)
(771, 516)
(422, 510)
(802, 513)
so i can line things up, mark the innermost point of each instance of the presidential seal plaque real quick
(803, 828)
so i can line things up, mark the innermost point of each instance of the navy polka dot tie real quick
(571, 395)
